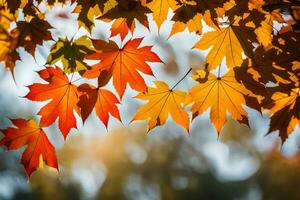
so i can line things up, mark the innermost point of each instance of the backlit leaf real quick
(71, 53)
(104, 102)
(63, 95)
(38, 147)
(222, 94)
(162, 102)
(123, 63)
(229, 42)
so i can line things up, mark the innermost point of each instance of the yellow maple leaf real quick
(8, 40)
(162, 101)
(220, 94)
(160, 9)
(225, 42)
(5, 20)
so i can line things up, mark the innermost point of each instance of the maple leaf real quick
(33, 33)
(120, 26)
(250, 78)
(9, 56)
(220, 94)
(188, 9)
(8, 40)
(190, 13)
(87, 10)
(104, 102)
(71, 53)
(248, 10)
(263, 20)
(13, 6)
(276, 64)
(31, 9)
(123, 63)
(162, 101)
(229, 42)
(160, 9)
(126, 11)
(64, 97)
(130, 10)
(193, 25)
(38, 147)
(186, 17)
(285, 111)
(28, 8)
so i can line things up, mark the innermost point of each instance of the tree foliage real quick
(257, 41)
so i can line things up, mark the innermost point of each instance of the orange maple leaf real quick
(120, 26)
(38, 149)
(102, 100)
(64, 97)
(220, 94)
(123, 63)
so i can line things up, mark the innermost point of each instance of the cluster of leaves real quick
(262, 65)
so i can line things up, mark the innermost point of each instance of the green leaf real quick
(71, 53)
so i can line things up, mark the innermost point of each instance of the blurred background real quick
(124, 162)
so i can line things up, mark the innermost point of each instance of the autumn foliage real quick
(256, 42)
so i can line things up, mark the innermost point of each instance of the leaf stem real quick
(71, 77)
(77, 80)
(72, 38)
(219, 71)
(182, 78)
